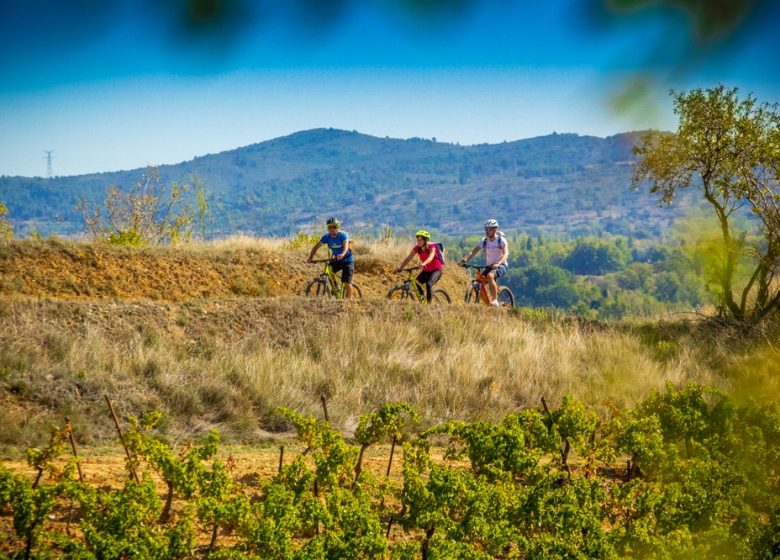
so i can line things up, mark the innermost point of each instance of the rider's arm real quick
(473, 252)
(315, 249)
(431, 255)
(343, 252)
(407, 259)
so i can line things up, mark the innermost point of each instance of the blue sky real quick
(121, 84)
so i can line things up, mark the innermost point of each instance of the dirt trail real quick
(85, 272)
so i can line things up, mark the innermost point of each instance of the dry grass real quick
(211, 354)
(229, 364)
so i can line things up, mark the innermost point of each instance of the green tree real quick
(6, 229)
(595, 256)
(730, 149)
(544, 285)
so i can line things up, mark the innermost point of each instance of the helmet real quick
(490, 224)
(333, 221)
(424, 234)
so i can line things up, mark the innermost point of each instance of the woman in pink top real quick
(430, 261)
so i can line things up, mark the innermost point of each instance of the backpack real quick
(441, 252)
(501, 240)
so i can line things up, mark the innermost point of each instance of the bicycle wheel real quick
(398, 293)
(440, 296)
(356, 291)
(505, 297)
(472, 294)
(317, 288)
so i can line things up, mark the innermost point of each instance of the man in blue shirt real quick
(338, 243)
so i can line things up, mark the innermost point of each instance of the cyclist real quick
(496, 255)
(338, 243)
(431, 265)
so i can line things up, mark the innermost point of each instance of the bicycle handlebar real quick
(315, 261)
(467, 265)
(409, 269)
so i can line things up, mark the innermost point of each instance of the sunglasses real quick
(490, 228)
(333, 227)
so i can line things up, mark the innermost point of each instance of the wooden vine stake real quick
(389, 466)
(121, 438)
(566, 445)
(69, 428)
(325, 407)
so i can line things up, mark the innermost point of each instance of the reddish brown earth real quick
(88, 272)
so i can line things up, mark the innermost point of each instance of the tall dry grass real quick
(229, 364)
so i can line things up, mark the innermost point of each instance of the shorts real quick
(499, 272)
(347, 270)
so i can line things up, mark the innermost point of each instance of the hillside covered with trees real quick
(561, 183)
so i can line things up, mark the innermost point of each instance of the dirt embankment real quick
(84, 272)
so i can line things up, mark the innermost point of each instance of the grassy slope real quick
(78, 322)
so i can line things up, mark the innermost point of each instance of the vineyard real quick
(256, 423)
(686, 473)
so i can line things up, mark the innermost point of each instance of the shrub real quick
(150, 213)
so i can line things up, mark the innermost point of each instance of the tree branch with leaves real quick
(729, 148)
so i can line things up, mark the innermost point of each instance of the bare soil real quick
(90, 272)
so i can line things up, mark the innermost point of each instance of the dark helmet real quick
(333, 221)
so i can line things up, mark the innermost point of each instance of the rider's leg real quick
(423, 278)
(346, 279)
(433, 277)
(492, 286)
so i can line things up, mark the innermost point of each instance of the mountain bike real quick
(328, 284)
(411, 289)
(477, 290)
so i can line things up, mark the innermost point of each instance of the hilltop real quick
(567, 183)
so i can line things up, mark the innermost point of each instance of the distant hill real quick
(568, 183)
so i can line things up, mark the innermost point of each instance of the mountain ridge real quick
(564, 183)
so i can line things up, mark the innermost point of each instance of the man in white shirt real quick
(496, 254)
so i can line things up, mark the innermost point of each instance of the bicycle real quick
(410, 288)
(328, 284)
(477, 290)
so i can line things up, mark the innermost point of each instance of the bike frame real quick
(482, 280)
(335, 285)
(414, 285)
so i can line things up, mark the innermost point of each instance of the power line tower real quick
(48, 162)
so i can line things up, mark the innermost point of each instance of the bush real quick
(6, 228)
(150, 213)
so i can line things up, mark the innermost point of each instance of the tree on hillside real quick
(544, 285)
(6, 229)
(729, 148)
(595, 257)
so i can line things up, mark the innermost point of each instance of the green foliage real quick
(124, 524)
(701, 482)
(595, 257)
(150, 212)
(125, 238)
(203, 217)
(545, 285)
(6, 228)
(647, 278)
(333, 457)
(302, 239)
(726, 147)
(387, 421)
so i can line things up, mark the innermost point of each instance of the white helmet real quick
(490, 224)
